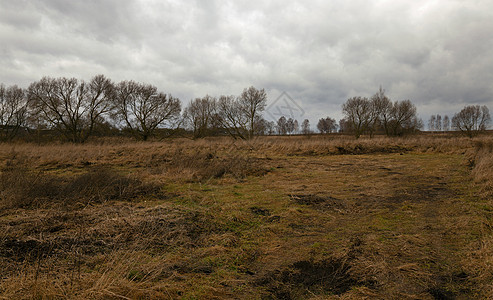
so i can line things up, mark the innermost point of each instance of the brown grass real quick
(272, 218)
(24, 188)
(481, 160)
(133, 153)
(480, 257)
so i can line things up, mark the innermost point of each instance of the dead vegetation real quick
(92, 250)
(271, 218)
(481, 163)
(24, 188)
(199, 165)
(480, 255)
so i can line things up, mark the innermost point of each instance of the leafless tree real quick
(271, 128)
(472, 120)
(432, 123)
(290, 126)
(327, 125)
(261, 126)
(232, 117)
(382, 110)
(446, 123)
(438, 122)
(403, 117)
(142, 109)
(305, 127)
(100, 101)
(418, 126)
(322, 125)
(199, 115)
(71, 106)
(359, 112)
(344, 125)
(395, 118)
(253, 102)
(282, 128)
(13, 111)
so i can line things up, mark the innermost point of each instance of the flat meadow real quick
(292, 217)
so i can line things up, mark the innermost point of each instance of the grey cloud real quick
(436, 54)
(18, 14)
(105, 21)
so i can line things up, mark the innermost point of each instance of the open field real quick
(271, 218)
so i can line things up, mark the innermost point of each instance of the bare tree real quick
(142, 109)
(472, 120)
(261, 126)
(296, 127)
(239, 116)
(395, 118)
(282, 126)
(446, 123)
(438, 122)
(418, 124)
(382, 111)
(321, 126)
(232, 117)
(359, 113)
(290, 126)
(13, 111)
(327, 125)
(271, 128)
(71, 106)
(432, 123)
(100, 101)
(253, 103)
(332, 125)
(199, 115)
(344, 125)
(305, 127)
(403, 117)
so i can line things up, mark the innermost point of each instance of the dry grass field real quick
(273, 218)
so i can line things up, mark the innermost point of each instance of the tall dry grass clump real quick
(205, 164)
(480, 258)
(22, 187)
(482, 163)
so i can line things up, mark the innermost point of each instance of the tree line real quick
(379, 115)
(77, 109)
(437, 123)
(471, 120)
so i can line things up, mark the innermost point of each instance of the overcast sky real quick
(438, 54)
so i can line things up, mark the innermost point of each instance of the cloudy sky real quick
(437, 53)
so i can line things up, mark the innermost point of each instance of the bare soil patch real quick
(304, 278)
